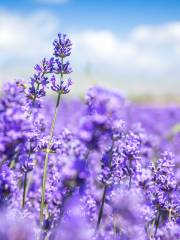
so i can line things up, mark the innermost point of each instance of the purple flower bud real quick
(46, 66)
(62, 46)
(63, 87)
(62, 68)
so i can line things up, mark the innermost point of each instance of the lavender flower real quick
(62, 68)
(62, 88)
(62, 46)
(47, 66)
(62, 49)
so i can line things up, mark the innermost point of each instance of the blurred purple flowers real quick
(110, 172)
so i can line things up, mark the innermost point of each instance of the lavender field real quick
(97, 168)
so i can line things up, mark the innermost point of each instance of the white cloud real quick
(103, 45)
(156, 35)
(147, 58)
(127, 56)
(24, 36)
(24, 39)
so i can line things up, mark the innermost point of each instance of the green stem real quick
(157, 223)
(25, 176)
(130, 181)
(47, 156)
(151, 230)
(104, 193)
(24, 190)
(101, 208)
(130, 173)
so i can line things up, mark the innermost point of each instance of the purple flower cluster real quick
(105, 171)
(47, 72)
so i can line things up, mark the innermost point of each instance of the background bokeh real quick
(132, 45)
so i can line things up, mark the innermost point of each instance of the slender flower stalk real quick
(152, 229)
(31, 93)
(24, 189)
(101, 208)
(62, 49)
(157, 223)
(100, 214)
(130, 175)
(27, 167)
(47, 156)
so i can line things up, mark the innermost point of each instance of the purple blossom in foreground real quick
(169, 231)
(80, 230)
(15, 228)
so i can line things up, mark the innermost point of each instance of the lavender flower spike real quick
(62, 46)
(62, 49)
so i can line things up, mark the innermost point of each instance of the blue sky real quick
(128, 44)
(116, 15)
